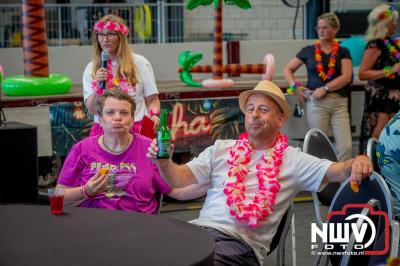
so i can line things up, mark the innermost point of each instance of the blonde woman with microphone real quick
(114, 64)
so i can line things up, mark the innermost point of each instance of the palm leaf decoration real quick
(192, 4)
(187, 61)
(243, 4)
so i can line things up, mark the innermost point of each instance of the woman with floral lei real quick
(251, 181)
(380, 66)
(132, 73)
(329, 72)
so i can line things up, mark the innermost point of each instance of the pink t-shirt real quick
(134, 180)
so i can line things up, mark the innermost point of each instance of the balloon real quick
(217, 83)
(34, 86)
(144, 31)
(187, 61)
(269, 61)
(356, 46)
(1, 74)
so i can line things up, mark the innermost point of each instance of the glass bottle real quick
(163, 136)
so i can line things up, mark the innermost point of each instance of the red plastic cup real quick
(56, 197)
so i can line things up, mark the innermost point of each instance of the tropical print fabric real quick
(388, 154)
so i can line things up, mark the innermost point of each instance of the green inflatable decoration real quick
(36, 86)
(192, 4)
(187, 61)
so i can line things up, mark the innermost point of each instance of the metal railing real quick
(71, 24)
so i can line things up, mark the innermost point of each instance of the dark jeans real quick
(231, 251)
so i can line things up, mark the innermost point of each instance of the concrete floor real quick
(303, 215)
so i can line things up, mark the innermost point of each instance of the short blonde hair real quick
(117, 94)
(331, 18)
(379, 21)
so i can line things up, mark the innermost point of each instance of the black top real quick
(30, 235)
(384, 59)
(307, 55)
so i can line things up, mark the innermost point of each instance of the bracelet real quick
(387, 70)
(293, 87)
(84, 193)
(155, 112)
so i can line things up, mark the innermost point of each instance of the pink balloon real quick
(269, 62)
(217, 83)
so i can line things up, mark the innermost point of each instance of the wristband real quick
(387, 70)
(155, 112)
(84, 193)
(326, 88)
(293, 87)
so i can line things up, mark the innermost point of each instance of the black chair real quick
(159, 197)
(279, 239)
(371, 152)
(316, 143)
(374, 192)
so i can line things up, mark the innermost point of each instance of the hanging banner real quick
(196, 123)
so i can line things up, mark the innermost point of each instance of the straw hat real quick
(267, 88)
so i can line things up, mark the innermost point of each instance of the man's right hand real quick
(97, 184)
(101, 74)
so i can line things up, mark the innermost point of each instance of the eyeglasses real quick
(109, 35)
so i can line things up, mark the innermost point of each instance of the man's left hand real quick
(360, 168)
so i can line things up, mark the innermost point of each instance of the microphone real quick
(104, 58)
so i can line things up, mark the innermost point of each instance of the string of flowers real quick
(384, 15)
(392, 49)
(255, 211)
(111, 26)
(332, 60)
(394, 52)
(387, 71)
(112, 82)
(292, 88)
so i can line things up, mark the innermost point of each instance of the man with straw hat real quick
(253, 180)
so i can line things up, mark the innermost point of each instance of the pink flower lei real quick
(268, 171)
(111, 26)
(112, 82)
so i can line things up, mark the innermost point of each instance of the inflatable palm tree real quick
(188, 60)
(36, 61)
(36, 79)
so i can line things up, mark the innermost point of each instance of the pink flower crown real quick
(111, 26)
(384, 14)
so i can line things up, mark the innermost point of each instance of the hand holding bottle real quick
(161, 147)
(163, 137)
(153, 150)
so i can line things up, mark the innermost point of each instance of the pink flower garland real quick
(267, 171)
(111, 26)
(111, 82)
